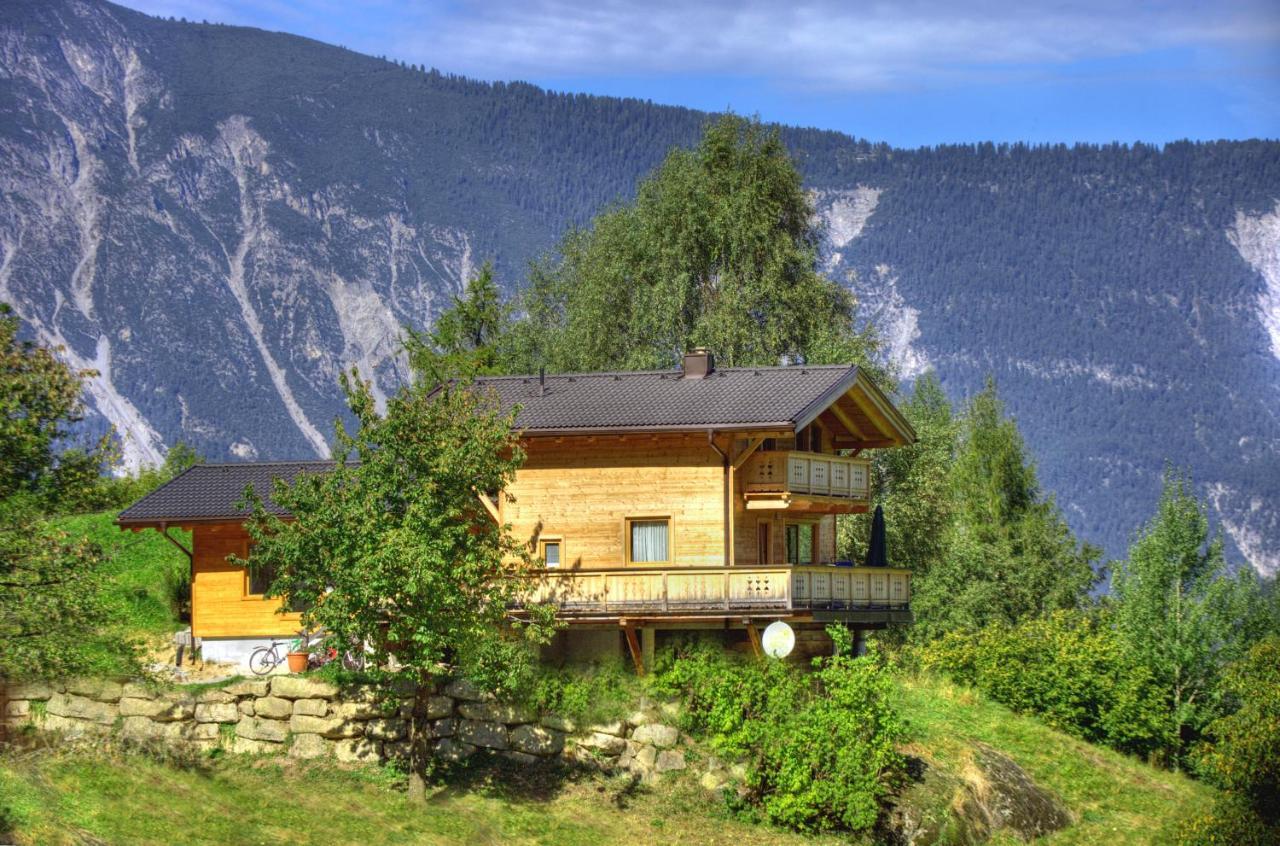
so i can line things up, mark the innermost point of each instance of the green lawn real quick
(1114, 797)
(135, 569)
(72, 798)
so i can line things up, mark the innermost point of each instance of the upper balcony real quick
(806, 481)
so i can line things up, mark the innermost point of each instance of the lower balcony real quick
(819, 593)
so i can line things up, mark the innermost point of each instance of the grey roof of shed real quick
(209, 492)
(656, 400)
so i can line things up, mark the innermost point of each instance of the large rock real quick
(132, 707)
(248, 687)
(246, 746)
(273, 707)
(302, 687)
(663, 737)
(608, 744)
(478, 733)
(669, 760)
(536, 740)
(447, 727)
(270, 731)
(30, 690)
(360, 710)
(138, 690)
(990, 793)
(463, 689)
(17, 708)
(386, 728)
(451, 749)
(559, 723)
(617, 728)
(357, 750)
(81, 708)
(331, 727)
(102, 690)
(495, 712)
(246, 707)
(311, 707)
(215, 696)
(309, 746)
(438, 707)
(175, 710)
(217, 712)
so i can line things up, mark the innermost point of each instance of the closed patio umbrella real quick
(876, 556)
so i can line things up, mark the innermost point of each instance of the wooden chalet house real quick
(698, 498)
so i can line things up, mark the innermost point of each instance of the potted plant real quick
(298, 654)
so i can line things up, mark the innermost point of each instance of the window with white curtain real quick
(649, 540)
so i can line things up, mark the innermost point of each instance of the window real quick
(800, 543)
(258, 580)
(549, 551)
(649, 540)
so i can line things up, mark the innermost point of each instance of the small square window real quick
(649, 541)
(551, 553)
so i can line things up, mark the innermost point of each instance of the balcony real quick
(806, 481)
(808, 592)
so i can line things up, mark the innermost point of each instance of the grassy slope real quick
(1115, 798)
(55, 796)
(135, 566)
(58, 798)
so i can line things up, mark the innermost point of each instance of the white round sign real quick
(778, 640)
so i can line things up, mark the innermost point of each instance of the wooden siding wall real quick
(219, 606)
(746, 533)
(583, 489)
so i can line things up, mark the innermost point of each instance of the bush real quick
(819, 749)
(1229, 822)
(1068, 669)
(1244, 757)
(601, 693)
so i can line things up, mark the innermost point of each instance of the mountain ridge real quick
(220, 219)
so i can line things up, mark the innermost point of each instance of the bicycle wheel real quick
(263, 660)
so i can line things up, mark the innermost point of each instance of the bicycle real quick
(264, 659)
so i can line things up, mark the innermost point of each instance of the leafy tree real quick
(912, 484)
(394, 550)
(1177, 611)
(719, 249)
(467, 336)
(54, 618)
(1007, 554)
(39, 401)
(1244, 755)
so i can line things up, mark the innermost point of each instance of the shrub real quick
(819, 749)
(1228, 822)
(600, 693)
(1244, 757)
(1067, 668)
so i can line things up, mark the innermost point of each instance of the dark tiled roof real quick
(728, 397)
(211, 491)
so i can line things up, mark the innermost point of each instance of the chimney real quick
(698, 363)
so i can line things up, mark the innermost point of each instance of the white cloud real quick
(842, 45)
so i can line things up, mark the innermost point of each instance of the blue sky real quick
(911, 73)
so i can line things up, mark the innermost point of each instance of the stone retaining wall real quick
(309, 718)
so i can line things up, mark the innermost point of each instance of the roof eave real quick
(645, 430)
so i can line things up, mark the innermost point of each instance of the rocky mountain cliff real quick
(218, 220)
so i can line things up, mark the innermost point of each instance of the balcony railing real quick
(720, 591)
(811, 473)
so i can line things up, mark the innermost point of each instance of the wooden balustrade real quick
(724, 591)
(812, 473)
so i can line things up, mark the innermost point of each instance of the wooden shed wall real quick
(219, 604)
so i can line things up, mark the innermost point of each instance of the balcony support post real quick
(633, 645)
(754, 637)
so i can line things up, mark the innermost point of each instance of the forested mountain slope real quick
(219, 219)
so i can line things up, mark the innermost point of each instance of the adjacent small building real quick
(700, 498)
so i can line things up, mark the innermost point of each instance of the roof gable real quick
(729, 398)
